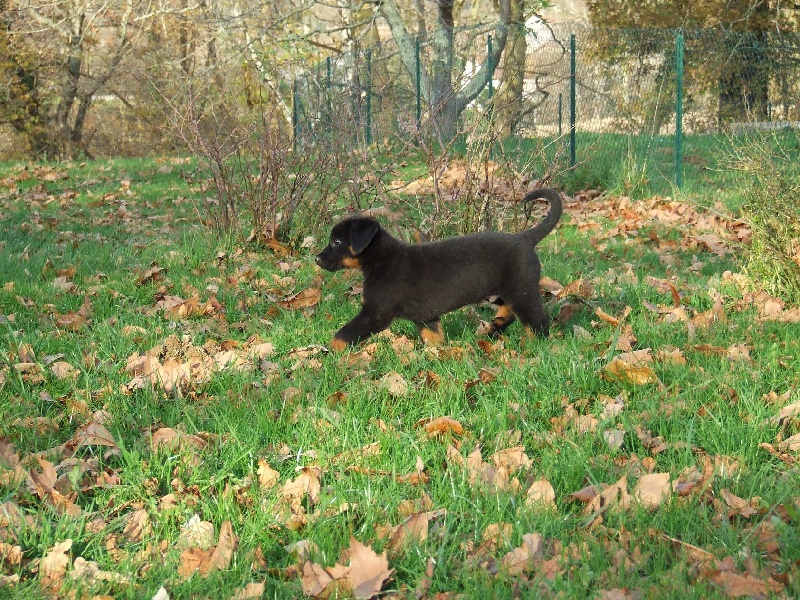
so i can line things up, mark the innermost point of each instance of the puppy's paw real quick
(338, 344)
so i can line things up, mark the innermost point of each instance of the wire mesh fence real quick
(631, 98)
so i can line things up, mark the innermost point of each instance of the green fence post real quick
(418, 83)
(368, 125)
(679, 110)
(572, 153)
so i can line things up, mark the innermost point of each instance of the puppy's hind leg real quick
(504, 317)
(431, 333)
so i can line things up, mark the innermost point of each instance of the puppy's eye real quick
(335, 242)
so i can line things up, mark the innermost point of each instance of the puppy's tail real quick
(538, 233)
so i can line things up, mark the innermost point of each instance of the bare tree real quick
(445, 99)
(80, 46)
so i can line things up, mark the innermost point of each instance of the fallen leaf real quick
(440, 426)
(652, 489)
(415, 528)
(541, 494)
(613, 495)
(53, 567)
(305, 299)
(526, 556)
(630, 368)
(394, 383)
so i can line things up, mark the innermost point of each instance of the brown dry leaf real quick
(89, 572)
(267, 476)
(306, 483)
(541, 494)
(663, 286)
(368, 570)
(223, 554)
(787, 414)
(631, 367)
(790, 444)
(737, 586)
(191, 561)
(526, 557)
(53, 567)
(172, 440)
(415, 528)
(740, 506)
(196, 560)
(151, 275)
(62, 370)
(441, 426)
(394, 383)
(671, 357)
(196, 534)
(613, 495)
(614, 438)
(43, 484)
(63, 284)
(93, 434)
(578, 288)
(604, 316)
(137, 526)
(653, 489)
(251, 591)
(307, 298)
(10, 554)
(302, 550)
(511, 459)
(362, 578)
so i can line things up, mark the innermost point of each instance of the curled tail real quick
(538, 233)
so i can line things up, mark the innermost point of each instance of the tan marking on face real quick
(338, 344)
(431, 336)
(351, 262)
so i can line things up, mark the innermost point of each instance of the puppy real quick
(421, 282)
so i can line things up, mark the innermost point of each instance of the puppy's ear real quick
(361, 234)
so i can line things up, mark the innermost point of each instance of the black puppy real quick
(421, 282)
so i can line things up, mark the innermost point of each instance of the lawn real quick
(170, 416)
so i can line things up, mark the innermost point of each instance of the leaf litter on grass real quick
(637, 471)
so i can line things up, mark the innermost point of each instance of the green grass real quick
(711, 407)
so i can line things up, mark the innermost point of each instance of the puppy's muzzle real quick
(327, 263)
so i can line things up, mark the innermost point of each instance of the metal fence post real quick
(368, 125)
(679, 110)
(572, 153)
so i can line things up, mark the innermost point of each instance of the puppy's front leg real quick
(363, 325)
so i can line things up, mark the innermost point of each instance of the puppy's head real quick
(349, 239)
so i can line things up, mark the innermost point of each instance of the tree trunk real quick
(508, 100)
(445, 103)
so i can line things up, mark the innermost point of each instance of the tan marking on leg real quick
(338, 344)
(503, 315)
(431, 336)
(529, 332)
